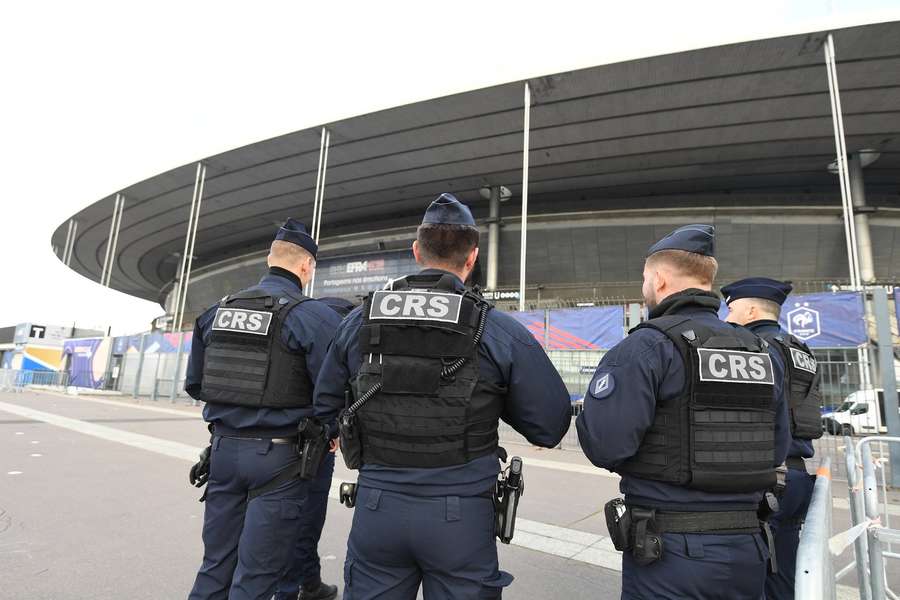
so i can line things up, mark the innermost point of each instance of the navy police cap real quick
(294, 231)
(447, 210)
(757, 287)
(699, 239)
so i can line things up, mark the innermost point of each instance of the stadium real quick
(740, 136)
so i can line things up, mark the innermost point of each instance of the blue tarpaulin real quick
(589, 328)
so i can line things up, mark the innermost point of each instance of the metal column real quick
(522, 252)
(841, 151)
(493, 258)
(140, 367)
(173, 395)
(861, 220)
(109, 258)
(319, 200)
(888, 377)
(187, 257)
(70, 242)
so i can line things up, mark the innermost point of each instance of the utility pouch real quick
(618, 523)
(648, 546)
(351, 444)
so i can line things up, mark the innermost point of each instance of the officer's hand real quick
(199, 474)
(334, 445)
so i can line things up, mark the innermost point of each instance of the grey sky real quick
(97, 96)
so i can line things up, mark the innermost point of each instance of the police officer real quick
(253, 361)
(688, 410)
(303, 574)
(435, 369)
(756, 302)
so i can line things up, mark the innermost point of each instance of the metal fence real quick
(15, 380)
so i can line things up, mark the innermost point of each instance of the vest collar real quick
(687, 301)
(436, 274)
(283, 274)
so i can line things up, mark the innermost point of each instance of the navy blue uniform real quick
(434, 526)
(248, 544)
(792, 505)
(642, 370)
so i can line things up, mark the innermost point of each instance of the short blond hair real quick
(288, 252)
(687, 264)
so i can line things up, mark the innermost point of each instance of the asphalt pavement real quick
(95, 503)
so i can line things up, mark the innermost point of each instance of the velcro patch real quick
(735, 366)
(602, 385)
(242, 320)
(803, 361)
(415, 305)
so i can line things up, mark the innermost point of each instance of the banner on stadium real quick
(164, 343)
(589, 328)
(350, 277)
(825, 320)
(86, 361)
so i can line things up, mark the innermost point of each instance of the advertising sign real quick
(350, 277)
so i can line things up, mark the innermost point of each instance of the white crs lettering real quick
(735, 366)
(424, 306)
(803, 361)
(242, 320)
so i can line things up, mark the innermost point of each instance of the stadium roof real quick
(739, 125)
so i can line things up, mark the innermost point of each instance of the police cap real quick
(294, 231)
(447, 210)
(757, 287)
(699, 239)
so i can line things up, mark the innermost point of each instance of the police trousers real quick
(247, 544)
(446, 544)
(785, 525)
(701, 566)
(304, 568)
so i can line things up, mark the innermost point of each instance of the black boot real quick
(320, 591)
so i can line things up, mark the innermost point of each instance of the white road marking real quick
(35, 441)
(125, 404)
(136, 440)
(20, 433)
(14, 472)
(570, 467)
(35, 455)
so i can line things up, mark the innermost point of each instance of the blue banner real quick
(825, 320)
(165, 343)
(589, 328)
(87, 361)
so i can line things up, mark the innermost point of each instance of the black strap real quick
(731, 521)
(795, 462)
(288, 474)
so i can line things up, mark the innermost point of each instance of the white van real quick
(862, 412)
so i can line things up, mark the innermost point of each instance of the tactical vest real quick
(420, 417)
(803, 383)
(246, 362)
(719, 434)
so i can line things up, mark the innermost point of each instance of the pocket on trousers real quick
(493, 587)
(290, 509)
(348, 579)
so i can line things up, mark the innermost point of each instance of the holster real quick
(634, 530)
(313, 446)
(351, 444)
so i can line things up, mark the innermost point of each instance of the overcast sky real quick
(96, 96)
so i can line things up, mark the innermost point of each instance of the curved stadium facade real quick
(739, 136)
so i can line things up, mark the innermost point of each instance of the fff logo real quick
(804, 322)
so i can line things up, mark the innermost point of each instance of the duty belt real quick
(732, 521)
(795, 462)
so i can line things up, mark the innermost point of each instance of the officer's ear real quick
(470, 260)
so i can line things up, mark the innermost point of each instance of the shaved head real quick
(293, 258)
(670, 271)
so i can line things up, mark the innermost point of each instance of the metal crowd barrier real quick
(16, 380)
(814, 575)
(870, 528)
